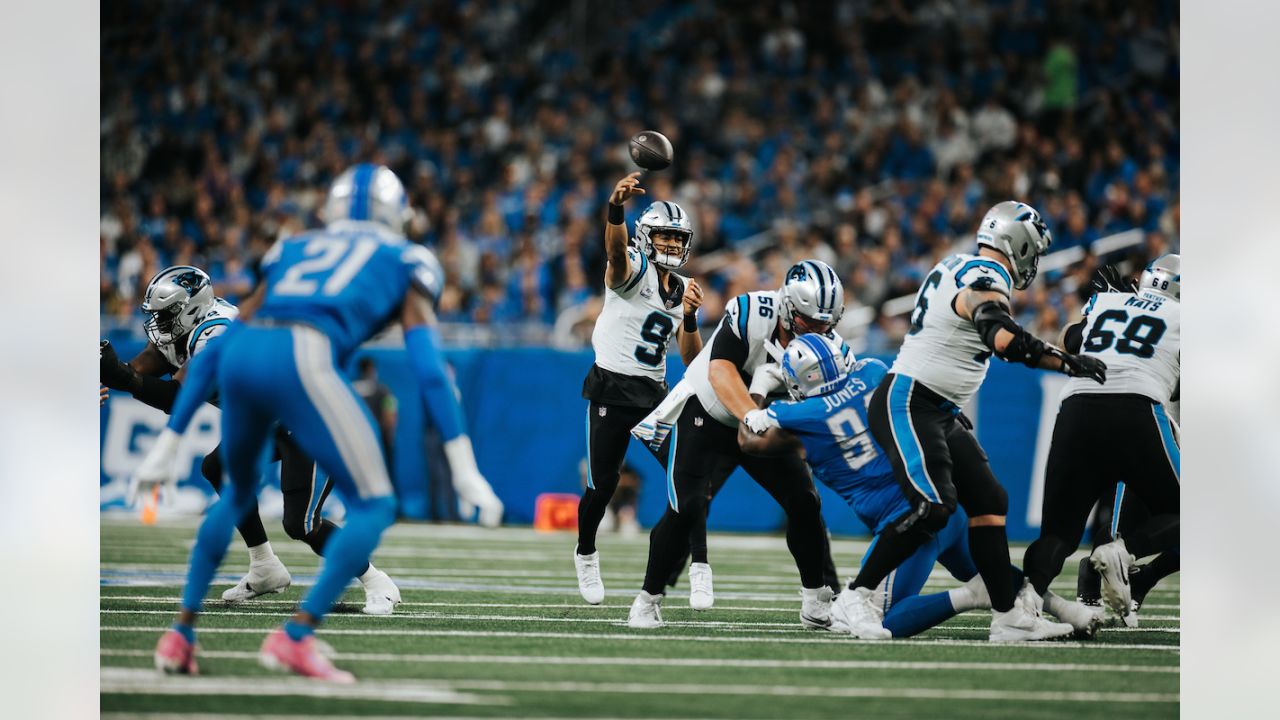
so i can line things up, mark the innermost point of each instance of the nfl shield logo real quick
(697, 421)
(601, 411)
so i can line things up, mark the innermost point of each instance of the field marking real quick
(165, 715)
(700, 662)
(645, 637)
(135, 681)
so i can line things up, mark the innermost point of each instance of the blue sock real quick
(917, 613)
(186, 631)
(211, 543)
(347, 552)
(297, 631)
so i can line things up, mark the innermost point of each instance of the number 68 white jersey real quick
(1139, 337)
(636, 325)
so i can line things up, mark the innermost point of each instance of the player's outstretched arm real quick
(138, 377)
(690, 339)
(989, 311)
(615, 231)
(773, 441)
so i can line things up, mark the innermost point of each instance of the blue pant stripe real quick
(904, 436)
(1171, 449)
(1115, 509)
(671, 467)
(590, 484)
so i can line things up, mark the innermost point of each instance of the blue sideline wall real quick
(527, 422)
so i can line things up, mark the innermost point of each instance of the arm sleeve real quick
(637, 267)
(201, 381)
(422, 344)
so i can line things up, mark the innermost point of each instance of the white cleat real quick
(646, 612)
(701, 596)
(589, 583)
(1020, 625)
(853, 612)
(972, 595)
(1112, 561)
(380, 594)
(815, 607)
(270, 576)
(1086, 620)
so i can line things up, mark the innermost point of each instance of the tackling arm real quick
(139, 376)
(773, 441)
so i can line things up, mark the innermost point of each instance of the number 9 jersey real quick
(638, 322)
(1139, 336)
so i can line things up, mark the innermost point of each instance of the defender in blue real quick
(828, 418)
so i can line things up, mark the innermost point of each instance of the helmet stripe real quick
(823, 353)
(835, 281)
(360, 191)
(822, 282)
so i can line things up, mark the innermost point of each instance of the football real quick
(651, 150)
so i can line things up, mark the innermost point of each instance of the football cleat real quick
(1112, 561)
(1019, 625)
(175, 656)
(380, 595)
(1088, 584)
(270, 576)
(815, 607)
(590, 586)
(646, 612)
(853, 613)
(701, 596)
(1085, 619)
(302, 657)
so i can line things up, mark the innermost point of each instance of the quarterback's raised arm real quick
(615, 230)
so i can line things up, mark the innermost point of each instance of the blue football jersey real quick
(348, 280)
(839, 447)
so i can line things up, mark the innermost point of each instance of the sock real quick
(186, 631)
(990, 549)
(347, 555)
(298, 631)
(591, 509)
(1164, 565)
(961, 598)
(918, 613)
(370, 573)
(259, 554)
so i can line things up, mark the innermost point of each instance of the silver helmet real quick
(1164, 277)
(1017, 231)
(370, 193)
(663, 216)
(176, 300)
(812, 366)
(813, 290)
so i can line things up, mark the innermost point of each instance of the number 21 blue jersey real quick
(348, 280)
(839, 448)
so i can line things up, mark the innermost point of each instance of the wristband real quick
(616, 215)
(691, 321)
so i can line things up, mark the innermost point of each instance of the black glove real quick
(113, 373)
(1108, 279)
(1083, 366)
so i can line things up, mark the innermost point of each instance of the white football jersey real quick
(943, 350)
(753, 318)
(635, 326)
(213, 324)
(1139, 337)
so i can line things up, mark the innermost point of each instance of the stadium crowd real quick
(872, 135)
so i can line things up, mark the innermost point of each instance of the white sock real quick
(369, 574)
(1055, 605)
(962, 599)
(259, 554)
(650, 598)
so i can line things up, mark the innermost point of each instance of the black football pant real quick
(702, 453)
(1099, 440)
(608, 434)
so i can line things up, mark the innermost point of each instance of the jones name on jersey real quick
(213, 324)
(638, 321)
(943, 350)
(1138, 335)
(751, 320)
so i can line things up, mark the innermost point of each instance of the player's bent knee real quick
(211, 469)
(804, 503)
(294, 527)
(928, 518)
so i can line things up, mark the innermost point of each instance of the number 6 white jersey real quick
(1139, 337)
(752, 321)
(636, 324)
(943, 350)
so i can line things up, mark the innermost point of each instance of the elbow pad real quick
(992, 317)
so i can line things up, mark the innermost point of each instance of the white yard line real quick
(697, 662)
(815, 638)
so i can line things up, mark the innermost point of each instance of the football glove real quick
(767, 379)
(1081, 365)
(1108, 279)
(474, 492)
(113, 373)
(758, 421)
(158, 469)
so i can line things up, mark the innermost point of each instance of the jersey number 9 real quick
(657, 332)
(850, 432)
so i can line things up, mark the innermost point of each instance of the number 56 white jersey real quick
(1139, 337)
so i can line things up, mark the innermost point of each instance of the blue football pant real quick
(288, 374)
(906, 611)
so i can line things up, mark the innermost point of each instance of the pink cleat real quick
(280, 652)
(174, 655)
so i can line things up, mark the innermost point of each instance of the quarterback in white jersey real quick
(962, 318)
(646, 304)
(1118, 433)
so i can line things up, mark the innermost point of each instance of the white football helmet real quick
(1018, 232)
(663, 216)
(176, 300)
(812, 366)
(814, 291)
(1164, 276)
(369, 193)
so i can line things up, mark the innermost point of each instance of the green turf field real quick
(492, 626)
